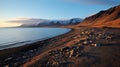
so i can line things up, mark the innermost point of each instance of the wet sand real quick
(86, 47)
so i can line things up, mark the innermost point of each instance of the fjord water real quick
(13, 37)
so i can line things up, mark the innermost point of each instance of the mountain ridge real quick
(104, 18)
(43, 23)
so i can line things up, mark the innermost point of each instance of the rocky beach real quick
(92, 42)
(82, 46)
(94, 47)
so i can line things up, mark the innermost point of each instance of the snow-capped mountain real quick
(44, 22)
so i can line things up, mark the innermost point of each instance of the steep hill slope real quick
(105, 18)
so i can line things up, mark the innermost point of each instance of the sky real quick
(50, 9)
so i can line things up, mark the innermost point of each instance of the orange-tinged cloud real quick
(19, 18)
(4, 24)
(10, 24)
(20, 21)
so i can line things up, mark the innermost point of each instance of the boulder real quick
(95, 44)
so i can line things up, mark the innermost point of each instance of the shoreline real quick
(37, 53)
(32, 44)
(5, 53)
(23, 43)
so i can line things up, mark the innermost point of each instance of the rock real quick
(90, 41)
(85, 43)
(87, 32)
(75, 37)
(66, 49)
(57, 51)
(52, 52)
(81, 47)
(78, 36)
(6, 65)
(31, 51)
(55, 63)
(79, 44)
(95, 44)
(8, 59)
(18, 58)
(109, 37)
(74, 47)
(71, 53)
(82, 33)
(48, 63)
(24, 57)
(81, 41)
(78, 55)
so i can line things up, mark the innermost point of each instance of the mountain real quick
(67, 22)
(105, 18)
(43, 22)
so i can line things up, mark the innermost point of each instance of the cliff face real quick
(108, 18)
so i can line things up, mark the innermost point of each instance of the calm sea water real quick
(13, 37)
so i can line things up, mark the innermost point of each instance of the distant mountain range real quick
(105, 18)
(44, 22)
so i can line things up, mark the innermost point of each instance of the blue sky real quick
(49, 9)
(52, 9)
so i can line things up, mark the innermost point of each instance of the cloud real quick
(27, 20)
(98, 2)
